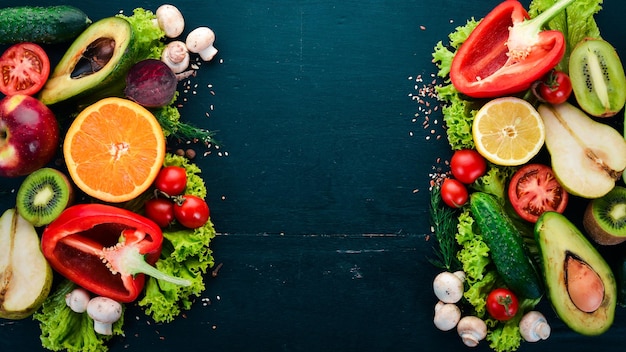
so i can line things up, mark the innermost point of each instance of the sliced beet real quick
(151, 83)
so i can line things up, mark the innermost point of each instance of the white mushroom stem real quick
(176, 56)
(200, 41)
(170, 20)
(472, 330)
(447, 315)
(104, 312)
(77, 300)
(534, 327)
(448, 287)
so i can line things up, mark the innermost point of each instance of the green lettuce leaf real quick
(576, 22)
(149, 39)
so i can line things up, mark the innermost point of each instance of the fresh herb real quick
(169, 119)
(444, 222)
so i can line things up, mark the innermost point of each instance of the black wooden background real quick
(319, 190)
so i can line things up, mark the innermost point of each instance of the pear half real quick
(25, 275)
(587, 156)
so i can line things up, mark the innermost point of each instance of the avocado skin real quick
(557, 238)
(62, 87)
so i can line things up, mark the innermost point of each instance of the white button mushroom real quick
(104, 312)
(448, 287)
(472, 330)
(77, 300)
(534, 327)
(176, 56)
(170, 20)
(447, 315)
(200, 41)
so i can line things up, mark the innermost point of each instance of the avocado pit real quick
(584, 285)
(96, 56)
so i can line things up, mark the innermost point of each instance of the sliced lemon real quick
(508, 131)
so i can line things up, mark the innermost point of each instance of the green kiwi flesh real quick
(598, 79)
(43, 195)
(605, 217)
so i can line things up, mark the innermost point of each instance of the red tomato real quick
(24, 69)
(454, 193)
(171, 180)
(160, 210)
(191, 211)
(556, 88)
(467, 165)
(502, 304)
(534, 190)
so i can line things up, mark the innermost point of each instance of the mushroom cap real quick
(176, 56)
(104, 309)
(200, 40)
(77, 300)
(170, 20)
(448, 287)
(534, 327)
(472, 330)
(447, 315)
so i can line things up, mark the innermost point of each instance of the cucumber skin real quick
(41, 24)
(506, 246)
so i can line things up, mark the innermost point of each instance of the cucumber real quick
(41, 24)
(506, 246)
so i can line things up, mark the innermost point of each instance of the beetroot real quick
(151, 83)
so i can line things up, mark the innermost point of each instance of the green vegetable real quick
(506, 246)
(41, 24)
(186, 254)
(495, 181)
(444, 222)
(64, 329)
(576, 22)
(458, 112)
(169, 119)
(149, 39)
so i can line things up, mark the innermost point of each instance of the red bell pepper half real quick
(105, 249)
(507, 52)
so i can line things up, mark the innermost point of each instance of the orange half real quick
(114, 149)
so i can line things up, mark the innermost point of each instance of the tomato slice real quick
(25, 67)
(534, 190)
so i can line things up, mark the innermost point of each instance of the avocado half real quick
(97, 60)
(561, 243)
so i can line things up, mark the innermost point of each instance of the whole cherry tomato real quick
(171, 180)
(191, 211)
(467, 165)
(25, 68)
(454, 193)
(555, 88)
(160, 210)
(502, 304)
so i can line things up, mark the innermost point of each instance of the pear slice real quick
(587, 156)
(25, 275)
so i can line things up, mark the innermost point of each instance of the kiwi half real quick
(597, 77)
(43, 195)
(605, 217)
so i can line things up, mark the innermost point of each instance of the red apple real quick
(29, 135)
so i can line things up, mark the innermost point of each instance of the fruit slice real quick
(43, 195)
(97, 60)
(25, 275)
(508, 131)
(114, 149)
(579, 282)
(605, 217)
(587, 156)
(598, 78)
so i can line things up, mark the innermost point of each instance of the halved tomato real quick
(24, 67)
(534, 190)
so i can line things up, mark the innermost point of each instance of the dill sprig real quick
(444, 221)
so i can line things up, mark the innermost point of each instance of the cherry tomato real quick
(171, 180)
(502, 304)
(534, 190)
(160, 210)
(454, 193)
(24, 69)
(191, 211)
(555, 88)
(467, 165)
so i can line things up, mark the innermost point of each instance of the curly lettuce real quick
(458, 112)
(148, 38)
(495, 181)
(62, 329)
